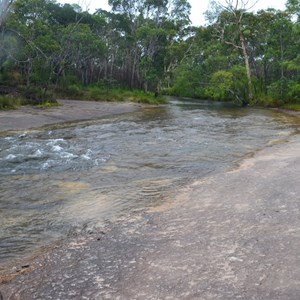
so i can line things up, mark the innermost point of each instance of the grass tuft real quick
(97, 93)
(294, 107)
(9, 102)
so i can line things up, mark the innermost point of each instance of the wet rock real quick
(23, 135)
(211, 244)
(25, 267)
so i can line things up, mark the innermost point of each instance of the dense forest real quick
(47, 49)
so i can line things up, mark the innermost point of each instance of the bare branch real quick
(4, 9)
(234, 45)
(29, 43)
(235, 5)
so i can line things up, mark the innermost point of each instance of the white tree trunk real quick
(247, 66)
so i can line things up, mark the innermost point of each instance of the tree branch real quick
(4, 8)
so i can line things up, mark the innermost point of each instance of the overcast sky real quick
(198, 6)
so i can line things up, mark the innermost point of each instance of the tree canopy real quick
(243, 56)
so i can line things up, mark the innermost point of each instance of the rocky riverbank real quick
(27, 117)
(233, 235)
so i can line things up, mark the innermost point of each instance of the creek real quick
(58, 179)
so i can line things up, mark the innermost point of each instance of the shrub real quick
(94, 93)
(279, 89)
(73, 91)
(293, 94)
(240, 84)
(68, 80)
(36, 96)
(9, 102)
(266, 101)
(295, 107)
(221, 84)
(285, 91)
(108, 83)
(182, 87)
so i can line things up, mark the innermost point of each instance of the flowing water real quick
(64, 177)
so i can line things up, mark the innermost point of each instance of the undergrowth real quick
(9, 102)
(110, 95)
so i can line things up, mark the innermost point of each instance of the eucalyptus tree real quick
(200, 57)
(29, 23)
(40, 28)
(84, 49)
(279, 41)
(231, 27)
(147, 30)
(18, 31)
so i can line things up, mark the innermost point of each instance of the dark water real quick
(60, 178)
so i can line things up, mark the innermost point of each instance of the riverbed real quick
(61, 179)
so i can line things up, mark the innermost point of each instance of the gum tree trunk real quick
(247, 66)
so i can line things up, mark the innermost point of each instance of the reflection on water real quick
(55, 179)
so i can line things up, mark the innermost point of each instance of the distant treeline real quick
(150, 45)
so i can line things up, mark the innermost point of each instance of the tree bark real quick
(247, 66)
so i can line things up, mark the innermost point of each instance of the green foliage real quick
(121, 95)
(285, 91)
(41, 73)
(68, 80)
(73, 91)
(108, 83)
(182, 87)
(293, 94)
(148, 44)
(294, 107)
(221, 84)
(266, 101)
(10, 102)
(98, 93)
(293, 7)
(94, 93)
(240, 86)
(48, 104)
(10, 77)
(279, 89)
(36, 95)
(188, 82)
